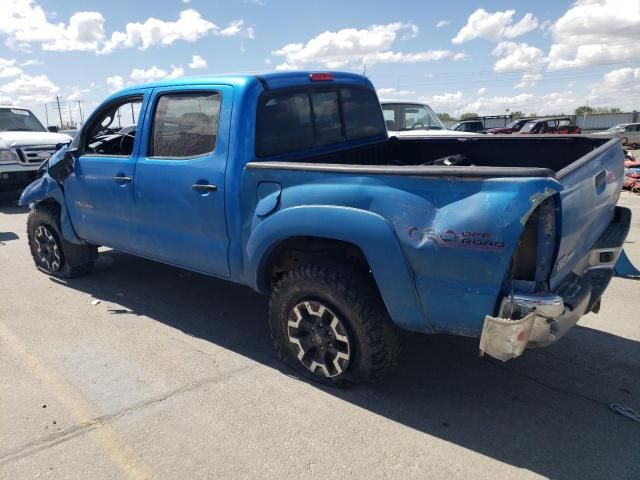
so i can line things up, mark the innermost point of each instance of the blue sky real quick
(487, 57)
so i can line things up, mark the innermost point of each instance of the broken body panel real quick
(449, 245)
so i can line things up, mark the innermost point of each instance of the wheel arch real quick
(47, 190)
(369, 237)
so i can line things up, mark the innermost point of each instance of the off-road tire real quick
(74, 260)
(351, 294)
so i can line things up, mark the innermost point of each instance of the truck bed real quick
(500, 156)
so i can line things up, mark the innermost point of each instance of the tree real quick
(532, 115)
(466, 115)
(582, 109)
(445, 117)
(517, 114)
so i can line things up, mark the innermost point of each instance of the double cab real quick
(288, 183)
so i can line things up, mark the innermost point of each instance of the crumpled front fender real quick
(46, 188)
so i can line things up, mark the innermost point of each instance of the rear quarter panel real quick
(456, 235)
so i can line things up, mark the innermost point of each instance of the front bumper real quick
(539, 319)
(17, 174)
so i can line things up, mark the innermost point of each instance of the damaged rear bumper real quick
(539, 319)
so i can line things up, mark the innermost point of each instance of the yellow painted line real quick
(79, 407)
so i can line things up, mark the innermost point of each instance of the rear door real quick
(591, 187)
(179, 210)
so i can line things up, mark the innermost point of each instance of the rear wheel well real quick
(297, 251)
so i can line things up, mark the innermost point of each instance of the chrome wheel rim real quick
(47, 249)
(322, 341)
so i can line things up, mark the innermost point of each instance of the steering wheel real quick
(125, 135)
(417, 125)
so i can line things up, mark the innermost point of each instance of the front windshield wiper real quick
(434, 127)
(20, 130)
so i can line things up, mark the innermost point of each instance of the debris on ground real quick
(95, 302)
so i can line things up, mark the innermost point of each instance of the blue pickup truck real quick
(289, 183)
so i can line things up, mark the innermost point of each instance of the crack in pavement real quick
(70, 433)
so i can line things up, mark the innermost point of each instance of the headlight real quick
(7, 156)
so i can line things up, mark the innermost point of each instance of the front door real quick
(99, 192)
(179, 183)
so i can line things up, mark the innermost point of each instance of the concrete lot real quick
(172, 375)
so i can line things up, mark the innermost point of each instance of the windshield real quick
(617, 128)
(420, 117)
(528, 127)
(19, 120)
(514, 124)
(410, 116)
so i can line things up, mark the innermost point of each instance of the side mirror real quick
(65, 166)
(52, 128)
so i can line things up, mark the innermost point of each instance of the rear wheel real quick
(329, 323)
(50, 251)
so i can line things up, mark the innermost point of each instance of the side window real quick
(185, 124)
(389, 113)
(113, 130)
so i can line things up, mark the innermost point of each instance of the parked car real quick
(24, 145)
(301, 195)
(559, 125)
(410, 119)
(630, 132)
(475, 126)
(510, 128)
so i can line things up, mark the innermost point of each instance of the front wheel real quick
(329, 323)
(50, 251)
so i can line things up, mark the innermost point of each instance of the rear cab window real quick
(293, 121)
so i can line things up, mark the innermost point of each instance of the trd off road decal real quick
(452, 239)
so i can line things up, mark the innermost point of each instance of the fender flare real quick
(370, 232)
(46, 188)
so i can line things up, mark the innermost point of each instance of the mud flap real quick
(505, 339)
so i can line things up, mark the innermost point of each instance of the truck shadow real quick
(9, 202)
(546, 412)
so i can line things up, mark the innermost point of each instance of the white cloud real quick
(77, 93)
(25, 23)
(115, 83)
(8, 68)
(28, 90)
(460, 56)
(189, 27)
(447, 102)
(353, 47)
(186, 1)
(519, 57)
(618, 88)
(443, 23)
(394, 92)
(596, 31)
(528, 80)
(494, 26)
(482, 91)
(197, 62)
(31, 62)
(154, 73)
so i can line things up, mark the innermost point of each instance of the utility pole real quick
(46, 114)
(80, 108)
(59, 111)
(70, 117)
(133, 115)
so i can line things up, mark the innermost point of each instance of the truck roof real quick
(272, 79)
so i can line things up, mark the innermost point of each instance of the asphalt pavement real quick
(142, 370)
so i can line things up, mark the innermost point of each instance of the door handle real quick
(122, 179)
(199, 187)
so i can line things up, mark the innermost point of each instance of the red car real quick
(559, 125)
(512, 127)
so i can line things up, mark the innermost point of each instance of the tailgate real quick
(591, 187)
